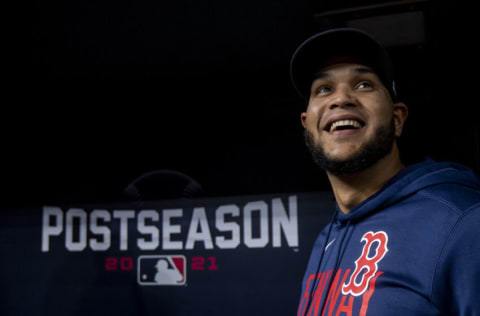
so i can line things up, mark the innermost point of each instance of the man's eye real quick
(364, 85)
(323, 90)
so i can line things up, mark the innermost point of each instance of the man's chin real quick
(347, 166)
(363, 158)
(341, 158)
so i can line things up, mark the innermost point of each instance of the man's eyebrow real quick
(358, 70)
(321, 75)
(364, 70)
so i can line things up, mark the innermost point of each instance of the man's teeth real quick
(337, 124)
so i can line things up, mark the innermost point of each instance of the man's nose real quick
(342, 97)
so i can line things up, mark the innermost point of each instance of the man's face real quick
(351, 121)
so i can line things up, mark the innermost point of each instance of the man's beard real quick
(377, 148)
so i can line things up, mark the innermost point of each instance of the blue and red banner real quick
(240, 255)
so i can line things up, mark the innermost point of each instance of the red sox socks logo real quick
(361, 283)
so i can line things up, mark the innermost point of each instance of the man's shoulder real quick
(456, 196)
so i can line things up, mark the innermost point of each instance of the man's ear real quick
(400, 113)
(303, 118)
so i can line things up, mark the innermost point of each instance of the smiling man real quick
(403, 240)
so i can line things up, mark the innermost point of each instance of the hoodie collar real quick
(410, 180)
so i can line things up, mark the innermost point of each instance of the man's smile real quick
(341, 124)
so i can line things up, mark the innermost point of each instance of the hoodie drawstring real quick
(314, 287)
(335, 269)
(337, 263)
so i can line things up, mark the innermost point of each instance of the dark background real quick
(115, 89)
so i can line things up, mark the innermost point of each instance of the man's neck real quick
(350, 190)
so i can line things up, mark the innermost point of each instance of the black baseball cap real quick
(341, 42)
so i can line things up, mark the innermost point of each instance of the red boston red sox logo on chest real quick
(367, 264)
(346, 292)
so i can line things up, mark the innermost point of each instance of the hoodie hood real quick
(409, 181)
(417, 206)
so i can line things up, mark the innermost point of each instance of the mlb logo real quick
(162, 270)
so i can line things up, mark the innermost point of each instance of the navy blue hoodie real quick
(410, 249)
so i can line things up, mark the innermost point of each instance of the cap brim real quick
(316, 50)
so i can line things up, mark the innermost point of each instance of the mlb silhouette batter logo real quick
(162, 270)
